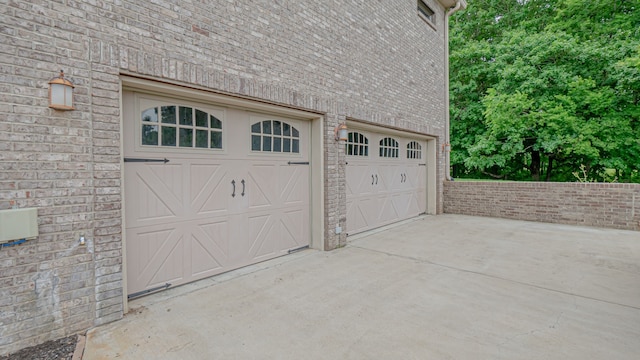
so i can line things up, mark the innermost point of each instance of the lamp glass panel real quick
(57, 94)
(68, 96)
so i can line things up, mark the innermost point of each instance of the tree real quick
(534, 98)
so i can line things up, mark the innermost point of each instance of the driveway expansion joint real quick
(427, 261)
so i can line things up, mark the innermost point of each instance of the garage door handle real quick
(233, 194)
(372, 179)
(376, 179)
(242, 187)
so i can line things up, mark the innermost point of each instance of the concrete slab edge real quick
(77, 354)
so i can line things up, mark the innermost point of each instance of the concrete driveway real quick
(440, 287)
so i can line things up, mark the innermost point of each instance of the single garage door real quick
(209, 189)
(386, 179)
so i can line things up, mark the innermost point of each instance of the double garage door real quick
(209, 189)
(386, 179)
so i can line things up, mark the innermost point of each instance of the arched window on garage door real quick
(389, 148)
(274, 136)
(357, 144)
(180, 126)
(414, 150)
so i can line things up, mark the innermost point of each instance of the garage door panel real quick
(262, 186)
(150, 205)
(155, 199)
(390, 178)
(406, 204)
(294, 185)
(209, 248)
(362, 213)
(294, 229)
(359, 180)
(386, 211)
(158, 257)
(209, 190)
(263, 234)
(171, 177)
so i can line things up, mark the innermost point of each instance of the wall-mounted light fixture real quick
(341, 132)
(61, 93)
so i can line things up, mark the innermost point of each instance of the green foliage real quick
(545, 90)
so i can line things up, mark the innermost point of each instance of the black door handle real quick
(376, 179)
(242, 187)
(372, 179)
(233, 194)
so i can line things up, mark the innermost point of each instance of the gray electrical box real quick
(18, 224)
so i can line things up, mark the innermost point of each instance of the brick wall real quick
(588, 204)
(375, 61)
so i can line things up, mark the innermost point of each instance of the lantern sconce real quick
(61, 93)
(341, 132)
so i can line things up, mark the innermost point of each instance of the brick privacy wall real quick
(374, 61)
(588, 204)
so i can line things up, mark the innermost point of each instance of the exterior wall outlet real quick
(338, 229)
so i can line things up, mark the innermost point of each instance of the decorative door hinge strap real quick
(298, 163)
(145, 292)
(298, 249)
(165, 160)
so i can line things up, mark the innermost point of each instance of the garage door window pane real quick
(168, 136)
(255, 142)
(186, 138)
(414, 150)
(274, 136)
(149, 135)
(183, 126)
(150, 115)
(266, 143)
(186, 116)
(216, 140)
(201, 118)
(202, 139)
(357, 144)
(389, 147)
(215, 123)
(168, 114)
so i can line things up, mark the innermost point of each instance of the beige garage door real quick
(233, 190)
(386, 179)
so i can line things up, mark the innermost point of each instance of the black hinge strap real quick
(165, 160)
(298, 163)
(422, 164)
(145, 292)
(298, 249)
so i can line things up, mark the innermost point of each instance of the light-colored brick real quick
(364, 61)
